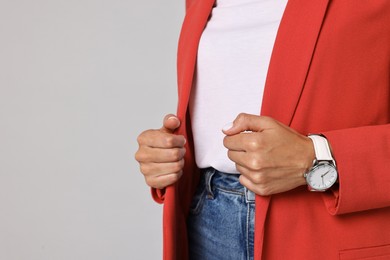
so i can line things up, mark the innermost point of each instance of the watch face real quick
(322, 176)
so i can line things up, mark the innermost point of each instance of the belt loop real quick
(250, 196)
(209, 175)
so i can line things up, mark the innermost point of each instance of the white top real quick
(233, 58)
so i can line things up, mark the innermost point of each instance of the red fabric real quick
(329, 73)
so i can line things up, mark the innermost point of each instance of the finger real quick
(256, 178)
(246, 141)
(248, 122)
(170, 123)
(257, 189)
(234, 143)
(159, 139)
(160, 182)
(246, 182)
(238, 157)
(261, 190)
(159, 155)
(160, 169)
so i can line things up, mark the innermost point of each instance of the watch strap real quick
(321, 148)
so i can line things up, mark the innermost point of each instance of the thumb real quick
(170, 123)
(246, 123)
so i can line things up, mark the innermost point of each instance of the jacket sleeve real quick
(363, 160)
(188, 3)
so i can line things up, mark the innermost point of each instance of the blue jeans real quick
(221, 219)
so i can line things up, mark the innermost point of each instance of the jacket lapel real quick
(290, 62)
(196, 18)
(291, 57)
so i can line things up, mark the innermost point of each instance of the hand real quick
(160, 154)
(270, 156)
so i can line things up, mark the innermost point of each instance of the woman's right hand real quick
(160, 154)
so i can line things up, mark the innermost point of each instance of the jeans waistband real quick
(226, 181)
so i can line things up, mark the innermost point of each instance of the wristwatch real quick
(323, 174)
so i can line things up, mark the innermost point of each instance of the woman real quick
(312, 67)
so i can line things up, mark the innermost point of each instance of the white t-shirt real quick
(233, 58)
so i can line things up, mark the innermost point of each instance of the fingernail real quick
(172, 117)
(227, 126)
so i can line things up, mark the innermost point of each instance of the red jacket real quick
(329, 73)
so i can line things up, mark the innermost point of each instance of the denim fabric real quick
(221, 220)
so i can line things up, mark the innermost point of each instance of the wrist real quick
(307, 160)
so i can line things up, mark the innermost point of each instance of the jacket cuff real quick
(158, 195)
(331, 200)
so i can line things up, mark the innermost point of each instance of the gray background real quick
(79, 80)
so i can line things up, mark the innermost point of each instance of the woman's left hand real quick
(270, 156)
